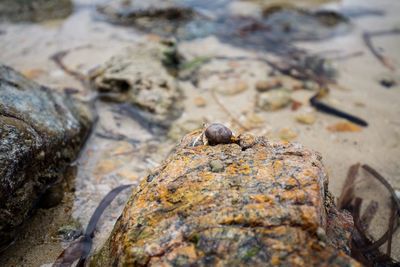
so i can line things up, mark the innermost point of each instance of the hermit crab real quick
(214, 134)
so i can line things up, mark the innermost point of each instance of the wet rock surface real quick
(228, 19)
(139, 78)
(260, 204)
(34, 10)
(129, 11)
(41, 132)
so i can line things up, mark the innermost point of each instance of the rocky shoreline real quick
(41, 133)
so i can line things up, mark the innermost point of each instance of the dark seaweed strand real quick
(105, 202)
(393, 214)
(333, 111)
(381, 179)
(365, 249)
(367, 37)
(360, 240)
(396, 201)
(81, 249)
(369, 214)
(347, 195)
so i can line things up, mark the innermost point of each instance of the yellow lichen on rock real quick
(260, 204)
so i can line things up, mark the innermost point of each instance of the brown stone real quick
(267, 205)
(200, 101)
(265, 85)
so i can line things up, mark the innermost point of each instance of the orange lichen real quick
(263, 202)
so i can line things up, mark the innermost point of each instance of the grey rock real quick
(34, 10)
(130, 10)
(273, 100)
(41, 132)
(137, 76)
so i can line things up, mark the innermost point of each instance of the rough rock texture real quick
(34, 10)
(267, 206)
(40, 133)
(138, 76)
(166, 18)
(131, 10)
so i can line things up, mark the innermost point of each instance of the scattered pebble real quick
(388, 83)
(70, 232)
(296, 105)
(33, 73)
(287, 134)
(344, 127)
(387, 80)
(200, 102)
(308, 118)
(310, 85)
(234, 88)
(321, 234)
(253, 120)
(266, 85)
(359, 104)
(273, 100)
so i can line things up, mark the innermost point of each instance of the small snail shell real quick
(217, 133)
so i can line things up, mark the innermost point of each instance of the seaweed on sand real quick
(364, 248)
(80, 248)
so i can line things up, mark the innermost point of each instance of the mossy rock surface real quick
(41, 132)
(268, 206)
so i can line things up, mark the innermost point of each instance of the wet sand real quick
(105, 164)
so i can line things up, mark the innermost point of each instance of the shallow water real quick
(234, 50)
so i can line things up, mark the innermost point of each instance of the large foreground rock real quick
(41, 132)
(249, 203)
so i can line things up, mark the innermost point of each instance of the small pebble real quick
(69, 232)
(359, 104)
(264, 85)
(310, 85)
(344, 127)
(388, 83)
(296, 105)
(273, 100)
(287, 134)
(321, 234)
(307, 119)
(247, 140)
(234, 88)
(200, 102)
